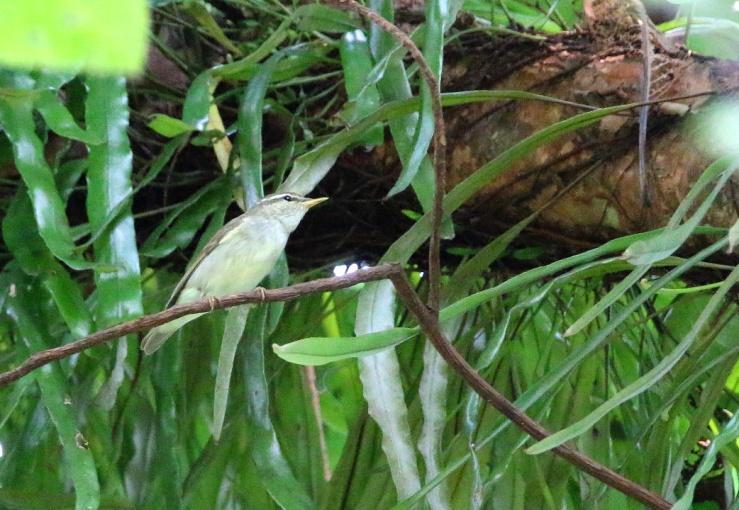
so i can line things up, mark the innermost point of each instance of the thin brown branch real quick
(430, 327)
(44, 357)
(309, 374)
(439, 141)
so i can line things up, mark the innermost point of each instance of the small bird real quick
(236, 258)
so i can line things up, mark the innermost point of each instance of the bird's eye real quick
(288, 198)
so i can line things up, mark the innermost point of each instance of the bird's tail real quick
(157, 336)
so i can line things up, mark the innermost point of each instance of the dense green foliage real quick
(633, 363)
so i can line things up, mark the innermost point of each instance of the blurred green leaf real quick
(105, 36)
(200, 11)
(714, 37)
(323, 18)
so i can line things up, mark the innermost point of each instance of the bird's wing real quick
(217, 238)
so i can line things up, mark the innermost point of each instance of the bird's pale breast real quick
(242, 259)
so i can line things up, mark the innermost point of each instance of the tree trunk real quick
(600, 65)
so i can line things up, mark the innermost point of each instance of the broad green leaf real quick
(433, 386)
(319, 351)
(432, 391)
(197, 101)
(105, 36)
(168, 126)
(234, 329)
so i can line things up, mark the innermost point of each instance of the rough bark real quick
(598, 65)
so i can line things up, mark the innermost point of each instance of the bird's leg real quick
(262, 293)
(214, 302)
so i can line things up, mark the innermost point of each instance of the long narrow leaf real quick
(383, 390)
(274, 470)
(23, 308)
(319, 351)
(234, 329)
(16, 118)
(251, 112)
(644, 382)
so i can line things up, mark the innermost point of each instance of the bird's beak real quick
(314, 201)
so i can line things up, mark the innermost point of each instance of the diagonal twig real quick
(439, 141)
(430, 326)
